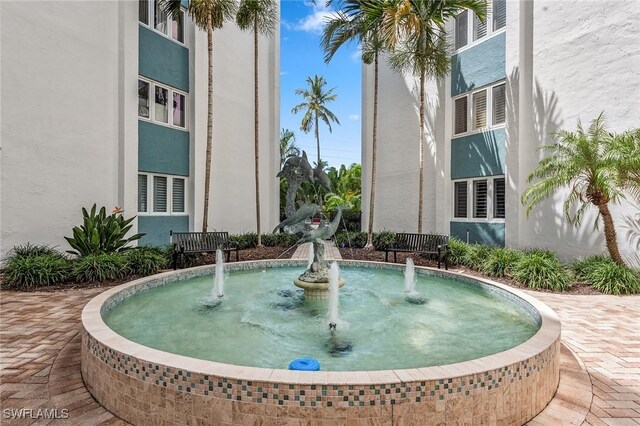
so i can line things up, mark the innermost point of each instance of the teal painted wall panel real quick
(185, 4)
(157, 228)
(479, 232)
(163, 60)
(480, 154)
(479, 65)
(162, 149)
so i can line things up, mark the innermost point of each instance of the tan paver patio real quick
(40, 359)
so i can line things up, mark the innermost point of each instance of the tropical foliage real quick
(288, 146)
(582, 163)
(101, 233)
(28, 267)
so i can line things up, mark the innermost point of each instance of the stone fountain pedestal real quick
(315, 280)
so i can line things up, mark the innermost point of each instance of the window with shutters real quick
(498, 198)
(479, 28)
(142, 193)
(486, 196)
(499, 104)
(460, 118)
(161, 194)
(169, 106)
(480, 199)
(460, 200)
(152, 15)
(499, 13)
(461, 33)
(479, 110)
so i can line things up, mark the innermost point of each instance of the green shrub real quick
(457, 251)
(500, 262)
(25, 272)
(29, 249)
(146, 260)
(538, 270)
(101, 233)
(101, 267)
(582, 268)
(383, 240)
(611, 278)
(351, 239)
(245, 241)
(281, 239)
(476, 255)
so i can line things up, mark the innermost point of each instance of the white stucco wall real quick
(64, 98)
(572, 61)
(397, 176)
(232, 203)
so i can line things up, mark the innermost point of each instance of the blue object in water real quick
(304, 364)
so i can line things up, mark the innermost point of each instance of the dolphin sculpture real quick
(296, 164)
(323, 232)
(321, 177)
(306, 211)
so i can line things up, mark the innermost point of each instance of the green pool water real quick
(264, 321)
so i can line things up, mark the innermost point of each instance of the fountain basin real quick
(316, 291)
(145, 385)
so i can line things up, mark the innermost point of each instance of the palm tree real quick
(415, 31)
(314, 108)
(257, 16)
(353, 23)
(579, 161)
(624, 149)
(288, 146)
(208, 15)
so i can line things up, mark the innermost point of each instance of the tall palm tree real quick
(208, 15)
(259, 17)
(415, 31)
(288, 146)
(314, 107)
(579, 161)
(355, 22)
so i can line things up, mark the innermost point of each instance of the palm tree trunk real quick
(319, 160)
(374, 140)
(207, 173)
(256, 132)
(610, 234)
(421, 184)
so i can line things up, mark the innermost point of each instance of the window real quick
(178, 109)
(499, 14)
(177, 28)
(461, 25)
(159, 194)
(143, 11)
(479, 28)
(164, 193)
(142, 193)
(460, 199)
(177, 198)
(499, 104)
(482, 108)
(169, 106)
(143, 99)
(498, 198)
(480, 199)
(152, 11)
(460, 118)
(479, 110)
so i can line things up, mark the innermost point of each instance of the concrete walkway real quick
(40, 359)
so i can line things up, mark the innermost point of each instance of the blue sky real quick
(301, 56)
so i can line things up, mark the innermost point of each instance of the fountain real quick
(412, 295)
(146, 342)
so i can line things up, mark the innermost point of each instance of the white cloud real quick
(354, 117)
(315, 21)
(356, 56)
(284, 72)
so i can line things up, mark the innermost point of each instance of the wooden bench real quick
(432, 244)
(200, 242)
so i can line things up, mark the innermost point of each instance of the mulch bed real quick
(260, 253)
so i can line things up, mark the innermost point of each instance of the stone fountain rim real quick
(95, 327)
